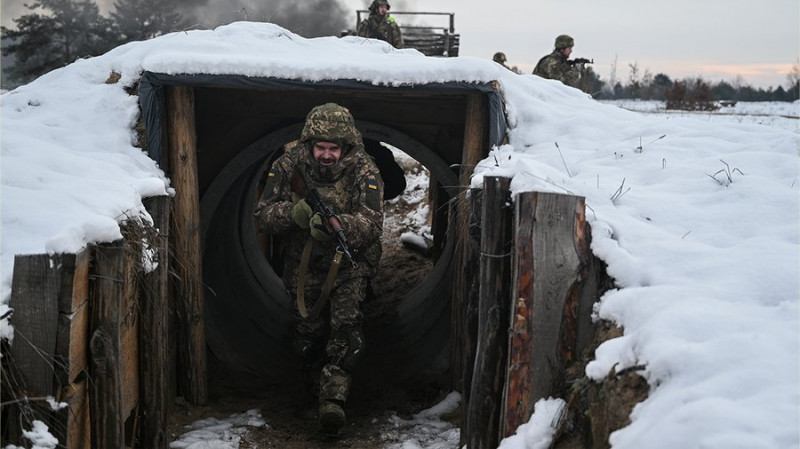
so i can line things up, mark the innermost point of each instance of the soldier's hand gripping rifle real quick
(319, 206)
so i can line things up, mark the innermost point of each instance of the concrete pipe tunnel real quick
(249, 323)
(241, 125)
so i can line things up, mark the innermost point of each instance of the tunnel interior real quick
(240, 130)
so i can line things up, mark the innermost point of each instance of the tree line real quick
(57, 32)
(643, 85)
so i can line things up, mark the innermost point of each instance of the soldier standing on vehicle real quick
(329, 160)
(557, 65)
(380, 25)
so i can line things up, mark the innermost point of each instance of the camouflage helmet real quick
(499, 57)
(376, 3)
(331, 123)
(564, 41)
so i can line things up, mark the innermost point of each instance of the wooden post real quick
(105, 391)
(469, 309)
(186, 236)
(476, 125)
(550, 265)
(153, 331)
(486, 391)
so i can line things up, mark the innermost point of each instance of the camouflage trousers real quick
(331, 344)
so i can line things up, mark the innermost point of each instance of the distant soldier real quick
(380, 25)
(500, 58)
(557, 65)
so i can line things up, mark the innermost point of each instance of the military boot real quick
(331, 416)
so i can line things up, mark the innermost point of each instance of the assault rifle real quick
(580, 61)
(319, 206)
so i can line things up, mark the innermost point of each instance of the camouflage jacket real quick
(355, 192)
(555, 66)
(384, 28)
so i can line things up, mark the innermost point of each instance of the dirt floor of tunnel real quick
(290, 412)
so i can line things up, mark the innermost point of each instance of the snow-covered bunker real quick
(241, 124)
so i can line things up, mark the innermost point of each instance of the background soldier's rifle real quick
(585, 75)
(319, 206)
(577, 61)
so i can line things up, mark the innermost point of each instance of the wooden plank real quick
(153, 331)
(517, 396)
(105, 391)
(186, 249)
(548, 275)
(72, 422)
(76, 415)
(573, 320)
(129, 320)
(53, 327)
(35, 290)
(486, 390)
(476, 136)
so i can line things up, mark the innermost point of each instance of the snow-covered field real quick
(777, 114)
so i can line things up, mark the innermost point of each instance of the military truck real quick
(430, 40)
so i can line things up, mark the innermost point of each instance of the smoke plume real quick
(308, 18)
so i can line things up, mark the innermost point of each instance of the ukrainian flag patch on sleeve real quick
(372, 185)
(272, 173)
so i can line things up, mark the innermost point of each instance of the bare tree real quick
(612, 77)
(793, 77)
(633, 80)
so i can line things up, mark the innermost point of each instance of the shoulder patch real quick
(373, 194)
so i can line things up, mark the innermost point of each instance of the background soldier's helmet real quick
(374, 6)
(499, 57)
(331, 123)
(564, 41)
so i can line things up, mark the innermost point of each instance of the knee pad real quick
(346, 347)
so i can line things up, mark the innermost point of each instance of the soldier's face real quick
(567, 51)
(327, 153)
(382, 10)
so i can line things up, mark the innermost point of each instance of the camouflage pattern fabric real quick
(381, 27)
(555, 66)
(341, 324)
(354, 189)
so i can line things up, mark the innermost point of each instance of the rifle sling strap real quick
(326, 288)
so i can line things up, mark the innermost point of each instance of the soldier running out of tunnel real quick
(557, 65)
(330, 156)
(380, 25)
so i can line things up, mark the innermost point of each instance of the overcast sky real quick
(715, 39)
(718, 39)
